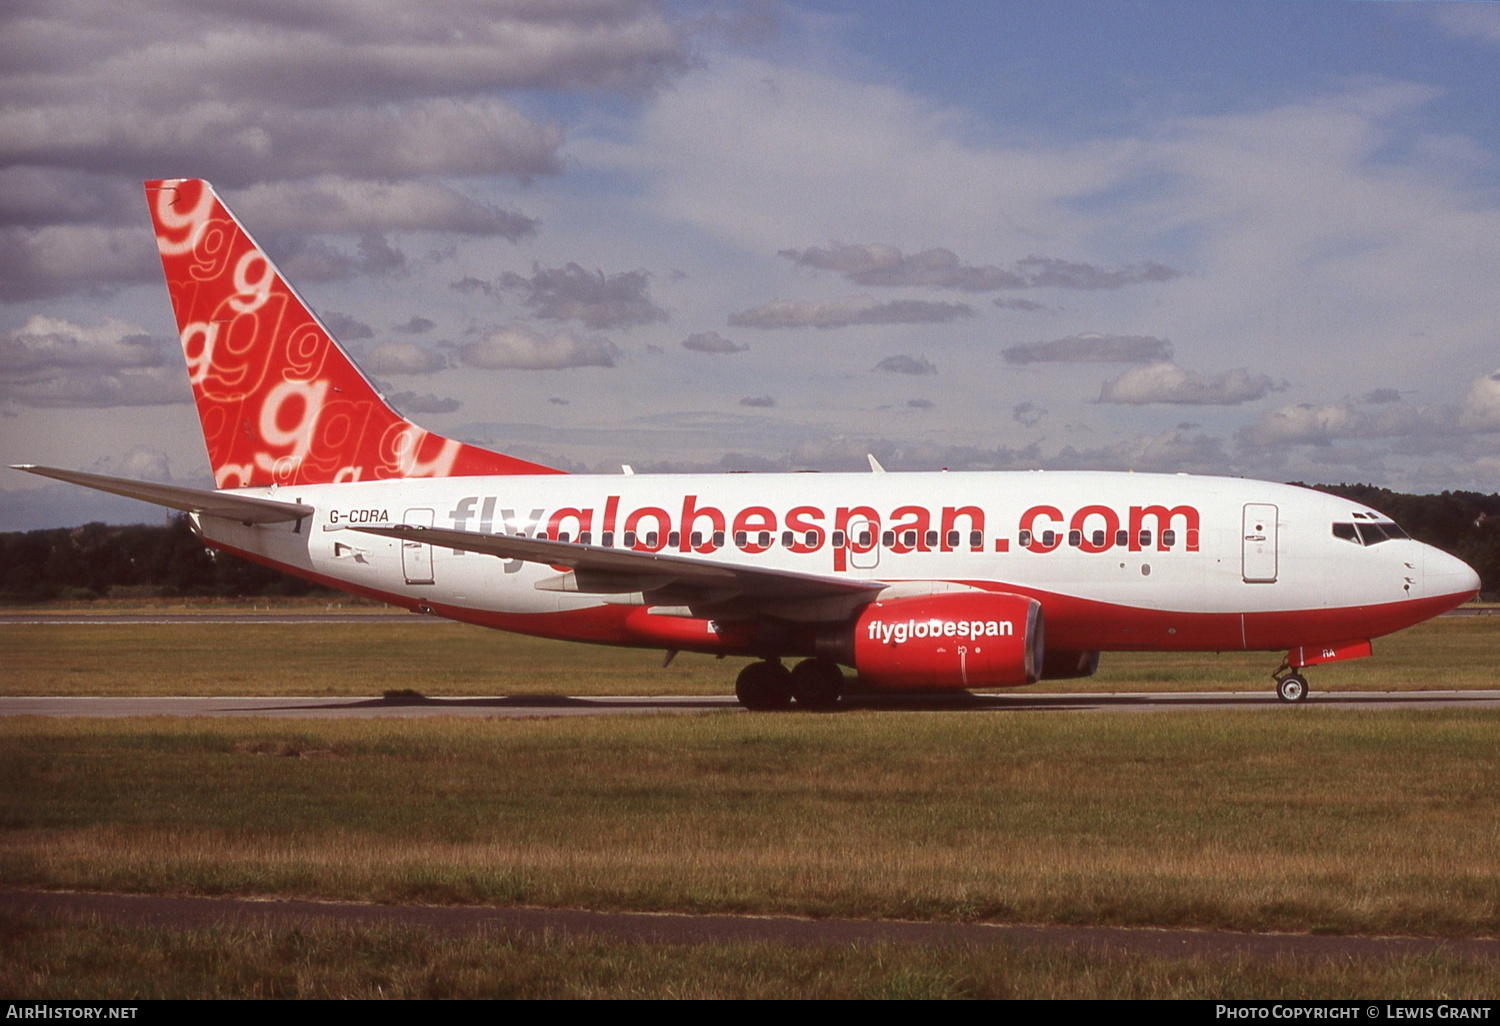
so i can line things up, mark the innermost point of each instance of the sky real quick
(1246, 238)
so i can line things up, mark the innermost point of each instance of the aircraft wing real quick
(662, 579)
(247, 509)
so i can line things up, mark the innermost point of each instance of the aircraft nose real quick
(1443, 574)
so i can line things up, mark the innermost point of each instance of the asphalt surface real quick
(410, 706)
(189, 913)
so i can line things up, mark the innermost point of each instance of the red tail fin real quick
(279, 401)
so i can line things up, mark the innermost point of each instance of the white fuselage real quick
(1118, 561)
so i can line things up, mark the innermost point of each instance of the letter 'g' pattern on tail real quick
(279, 401)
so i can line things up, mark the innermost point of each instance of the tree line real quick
(167, 561)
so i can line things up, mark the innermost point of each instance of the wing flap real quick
(604, 571)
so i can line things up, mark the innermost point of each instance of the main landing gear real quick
(1291, 686)
(767, 685)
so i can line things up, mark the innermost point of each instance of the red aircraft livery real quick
(916, 581)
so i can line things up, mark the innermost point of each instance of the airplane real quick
(917, 581)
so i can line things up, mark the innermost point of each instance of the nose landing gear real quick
(1291, 686)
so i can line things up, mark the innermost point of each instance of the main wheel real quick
(817, 683)
(1292, 688)
(764, 687)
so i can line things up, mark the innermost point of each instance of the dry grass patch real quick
(82, 959)
(1286, 820)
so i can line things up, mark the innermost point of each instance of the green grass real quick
(1291, 819)
(79, 959)
(442, 658)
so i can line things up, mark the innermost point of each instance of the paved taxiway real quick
(561, 705)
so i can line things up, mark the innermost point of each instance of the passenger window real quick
(1098, 539)
(562, 536)
(1145, 539)
(673, 538)
(1168, 538)
(1049, 538)
(1023, 539)
(607, 539)
(838, 539)
(1122, 538)
(865, 539)
(697, 539)
(1075, 538)
(811, 539)
(741, 538)
(931, 539)
(976, 540)
(953, 537)
(650, 539)
(630, 539)
(787, 537)
(718, 539)
(888, 539)
(765, 539)
(909, 539)
(585, 538)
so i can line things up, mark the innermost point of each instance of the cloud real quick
(760, 401)
(879, 265)
(1434, 427)
(49, 362)
(1479, 22)
(345, 328)
(1027, 414)
(902, 364)
(921, 404)
(518, 347)
(403, 358)
(1169, 383)
(598, 300)
(1381, 395)
(1093, 348)
(1173, 451)
(713, 342)
(840, 313)
(1029, 305)
(54, 260)
(309, 258)
(1481, 408)
(350, 102)
(416, 326)
(410, 403)
(334, 204)
(558, 401)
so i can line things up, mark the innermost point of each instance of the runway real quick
(535, 706)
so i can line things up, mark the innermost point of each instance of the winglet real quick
(875, 467)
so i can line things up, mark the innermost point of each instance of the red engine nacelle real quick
(952, 640)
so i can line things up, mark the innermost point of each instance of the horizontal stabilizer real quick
(247, 509)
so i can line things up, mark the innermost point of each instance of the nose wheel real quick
(1291, 686)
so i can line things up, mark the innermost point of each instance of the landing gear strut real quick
(1291, 686)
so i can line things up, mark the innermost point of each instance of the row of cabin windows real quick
(1097, 539)
(1368, 534)
(864, 540)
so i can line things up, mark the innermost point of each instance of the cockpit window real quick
(1369, 533)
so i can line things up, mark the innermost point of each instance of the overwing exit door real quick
(1259, 553)
(416, 557)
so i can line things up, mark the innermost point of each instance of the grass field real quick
(82, 960)
(1292, 819)
(1295, 819)
(438, 658)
